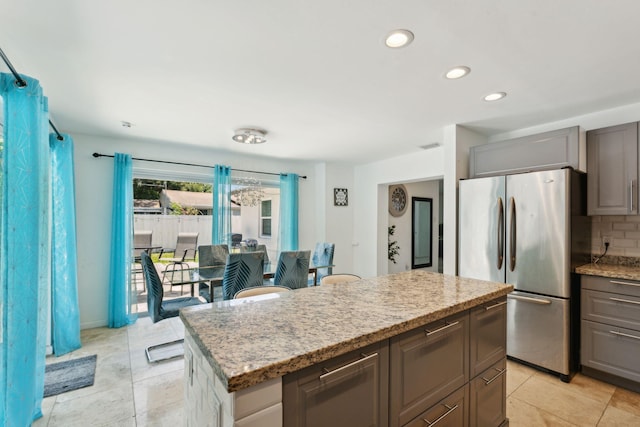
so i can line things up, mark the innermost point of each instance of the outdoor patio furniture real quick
(186, 245)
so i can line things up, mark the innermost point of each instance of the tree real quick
(178, 209)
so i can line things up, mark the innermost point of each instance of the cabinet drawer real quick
(607, 284)
(487, 403)
(426, 364)
(487, 335)
(611, 349)
(612, 309)
(349, 390)
(449, 412)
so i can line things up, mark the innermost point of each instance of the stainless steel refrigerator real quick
(530, 230)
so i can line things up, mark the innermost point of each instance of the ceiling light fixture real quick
(250, 136)
(495, 96)
(458, 72)
(398, 38)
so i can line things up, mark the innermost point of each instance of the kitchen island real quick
(241, 354)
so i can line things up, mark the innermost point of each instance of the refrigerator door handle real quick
(530, 299)
(500, 233)
(512, 235)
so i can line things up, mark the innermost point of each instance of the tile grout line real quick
(133, 392)
(606, 406)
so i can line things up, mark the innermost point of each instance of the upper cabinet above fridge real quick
(612, 181)
(544, 151)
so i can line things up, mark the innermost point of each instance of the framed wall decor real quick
(397, 199)
(340, 197)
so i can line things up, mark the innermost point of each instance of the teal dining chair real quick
(242, 270)
(322, 255)
(210, 255)
(293, 269)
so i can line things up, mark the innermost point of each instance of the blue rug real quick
(69, 375)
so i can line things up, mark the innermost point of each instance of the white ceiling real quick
(316, 74)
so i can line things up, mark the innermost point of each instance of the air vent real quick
(430, 146)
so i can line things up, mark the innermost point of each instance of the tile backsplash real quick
(623, 231)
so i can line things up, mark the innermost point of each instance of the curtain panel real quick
(65, 312)
(289, 212)
(221, 205)
(121, 295)
(25, 250)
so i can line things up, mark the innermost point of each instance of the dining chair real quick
(242, 270)
(322, 255)
(293, 269)
(257, 248)
(210, 255)
(331, 279)
(259, 290)
(158, 308)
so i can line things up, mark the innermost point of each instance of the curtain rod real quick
(96, 155)
(20, 82)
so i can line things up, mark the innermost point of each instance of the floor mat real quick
(69, 375)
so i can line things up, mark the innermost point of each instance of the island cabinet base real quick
(207, 402)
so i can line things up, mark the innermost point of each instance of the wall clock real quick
(397, 199)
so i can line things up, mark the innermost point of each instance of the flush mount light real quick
(250, 136)
(457, 72)
(495, 96)
(125, 124)
(398, 38)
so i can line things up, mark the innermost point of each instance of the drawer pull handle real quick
(450, 410)
(495, 305)
(618, 282)
(328, 373)
(624, 300)
(500, 372)
(446, 326)
(624, 335)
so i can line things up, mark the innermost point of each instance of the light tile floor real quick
(130, 392)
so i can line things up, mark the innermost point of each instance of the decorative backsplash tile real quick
(624, 235)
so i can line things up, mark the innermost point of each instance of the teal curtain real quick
(65, 312)
(289, 212)
(25, 249)
(121, 294)
(221, 205)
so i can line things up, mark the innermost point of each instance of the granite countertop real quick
(249, 342)
(610, 270)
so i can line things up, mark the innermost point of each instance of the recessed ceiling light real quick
(398, 38)
(495, 96)
(457, 72)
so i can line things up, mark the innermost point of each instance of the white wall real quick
(94, 185)
(403, 230)
(371, 217)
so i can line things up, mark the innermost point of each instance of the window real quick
(265, 218)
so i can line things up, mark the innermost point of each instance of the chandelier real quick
(250, 192)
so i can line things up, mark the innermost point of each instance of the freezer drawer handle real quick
(624, 300)
(328, 373)
(618, 282)
(624, 335)
(446, 326)
(441, 417)
(491, 307)
(500, 372)
(529, 299)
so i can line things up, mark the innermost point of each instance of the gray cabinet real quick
(427, 364)
(610, 330)
(545, 151)
(452, 411)
(349, 390)
(487, 335)
(487, 401)
(612, 165)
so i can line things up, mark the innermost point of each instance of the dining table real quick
(213, 274)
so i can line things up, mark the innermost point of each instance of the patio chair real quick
(141, 239)
(186, 245)
(160, 309)
(293, 269)
(242, 270)
(236, 239)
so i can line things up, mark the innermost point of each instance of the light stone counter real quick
(250, 342)
(610, 270)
